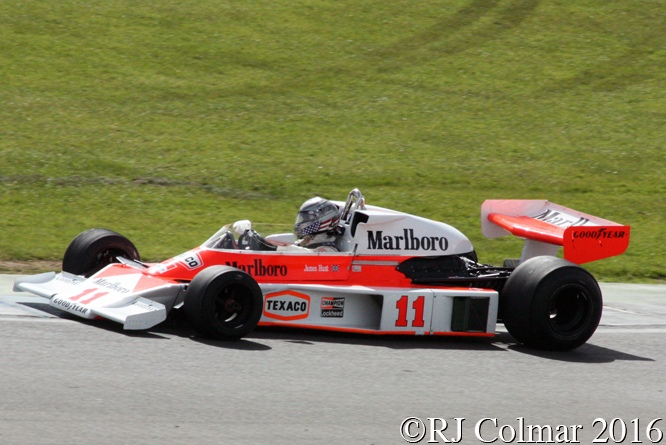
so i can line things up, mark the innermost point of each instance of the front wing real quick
(119, 293)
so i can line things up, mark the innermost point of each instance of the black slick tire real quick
(550, 303)
(94, 249)
(223, 303)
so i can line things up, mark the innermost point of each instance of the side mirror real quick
(281, 239)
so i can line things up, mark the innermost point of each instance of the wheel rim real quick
(233, 306)
(104, 258)
(570, 310)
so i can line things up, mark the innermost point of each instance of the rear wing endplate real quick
(545, 226)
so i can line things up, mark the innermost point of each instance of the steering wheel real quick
(244, 240)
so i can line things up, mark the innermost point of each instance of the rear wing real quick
(546, 226)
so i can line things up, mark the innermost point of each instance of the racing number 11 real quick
(401, 305)
(86, 292)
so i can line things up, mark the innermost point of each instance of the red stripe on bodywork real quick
(334, 328)
(370, 331)
(465, 334)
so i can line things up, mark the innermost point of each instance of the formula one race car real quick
(390, 273)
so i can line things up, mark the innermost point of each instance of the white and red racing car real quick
(393, 273)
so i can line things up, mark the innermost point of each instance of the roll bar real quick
(354, 199)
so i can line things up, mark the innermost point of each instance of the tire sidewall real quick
(81, 254)
(527, 296)
(200, 300)
(561, 280)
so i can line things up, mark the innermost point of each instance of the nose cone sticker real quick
(287, 305)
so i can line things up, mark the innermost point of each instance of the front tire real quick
(95, 249)
(550, 303)
(223, 303)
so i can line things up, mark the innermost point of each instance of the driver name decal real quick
(322, 268)
(287, 305)
(407, 241)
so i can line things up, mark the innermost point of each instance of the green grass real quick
(164, 120)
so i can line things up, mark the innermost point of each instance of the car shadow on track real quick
(176, 325)
(179, 328)
(309, 337)
(503, 341)
(588, 353)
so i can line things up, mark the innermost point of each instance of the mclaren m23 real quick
(391, 273)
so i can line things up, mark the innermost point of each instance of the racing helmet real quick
(316, 215)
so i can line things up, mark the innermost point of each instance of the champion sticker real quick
(332, 307)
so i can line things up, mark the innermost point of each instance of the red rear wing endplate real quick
(595, 240)
(585, 244)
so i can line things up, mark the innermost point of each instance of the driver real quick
(316, 225)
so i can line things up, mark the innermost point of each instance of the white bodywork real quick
(388, 232)
(127, 299)
(372, 310)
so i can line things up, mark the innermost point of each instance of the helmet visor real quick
(306, 217)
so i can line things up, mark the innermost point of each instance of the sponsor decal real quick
(257, 269)
(76, 304)
(332, 313)
(144, 306)
(407, 241)
(117, 287)
(287, 305)
(333, 303)
(67, 280)
(602, 233)
(69, 306)
(191, 260)
(561, 220)
(332, 307)
(162, 268)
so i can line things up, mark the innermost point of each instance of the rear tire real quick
(550, 303)
(223, 303)
(95, 249)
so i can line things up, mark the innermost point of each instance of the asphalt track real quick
(69, 381)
